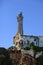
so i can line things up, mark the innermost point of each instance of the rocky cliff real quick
(19, 58)
(15, 57)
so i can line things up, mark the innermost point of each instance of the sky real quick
(32, 11)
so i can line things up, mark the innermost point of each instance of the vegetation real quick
(37, 49)
(26, 48)
(4, 57)
(40, 60)
(6, 60)
(31, 44)
(12, 48)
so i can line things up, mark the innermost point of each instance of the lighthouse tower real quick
(20, 23)
(17, 41)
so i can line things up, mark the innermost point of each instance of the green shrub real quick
(31, 44)
(38, 49)
(26, 48)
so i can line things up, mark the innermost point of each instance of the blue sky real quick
(33, 19)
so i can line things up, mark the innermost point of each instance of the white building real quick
(21, 40)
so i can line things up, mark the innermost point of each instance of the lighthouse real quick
(20, 23)
(17, 41)
(20, 40)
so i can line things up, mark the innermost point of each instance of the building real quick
(21, 40)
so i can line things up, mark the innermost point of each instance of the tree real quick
(31, 44)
